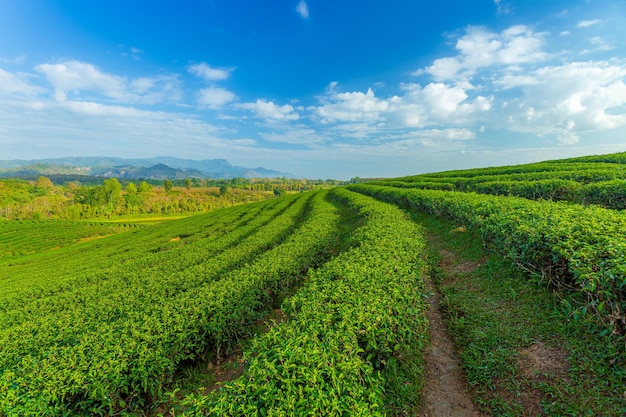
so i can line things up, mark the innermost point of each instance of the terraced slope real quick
(26, 237)
(101, 327)
(104, 326)
(599, 180)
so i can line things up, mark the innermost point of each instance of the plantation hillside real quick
(315, 303)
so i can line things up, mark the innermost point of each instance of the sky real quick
(316, 88)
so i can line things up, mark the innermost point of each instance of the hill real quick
(317, 303)
(159, 168)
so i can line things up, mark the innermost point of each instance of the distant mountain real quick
(153, 168)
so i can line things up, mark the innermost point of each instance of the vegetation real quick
(569, 247)
(41, 199)
(352, 344)
(25, 237)
(522, 352)
(102, 314)
(597, 180)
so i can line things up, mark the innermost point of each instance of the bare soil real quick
(445, 392)
(225, 370)
(539, 363)
(445, 388)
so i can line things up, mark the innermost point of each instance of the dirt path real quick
(444, 387)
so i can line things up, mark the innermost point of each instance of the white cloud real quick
(14, 85)
(436, 103)
(133, 53)
(205, 71)
(600, 45)
(98, 109)
(215, 97)
(270, 111)
(567, 100)
(303, 9)
(561, 101)
(587, 23)
(142, 85)
(452, 134)
(358, 114)
(74, 77)
(351, 107)
(480, 48)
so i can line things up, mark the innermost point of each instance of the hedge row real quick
(574, 248)
(113, 345)
(352, 344)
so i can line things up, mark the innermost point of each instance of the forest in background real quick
(41, 198)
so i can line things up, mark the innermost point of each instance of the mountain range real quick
(159, 168)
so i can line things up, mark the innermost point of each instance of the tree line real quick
(71, 200)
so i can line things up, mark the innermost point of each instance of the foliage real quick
(20, 199)
(569, 247)
(599, 180)
(352, 344)
(141, 303)
(516, 343)
(25, 237)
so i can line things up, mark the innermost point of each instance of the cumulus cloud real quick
(351, 107)
(270, 111)
(480, 48)
(532, 91)
(208, 73)
(436, 103)
(303, 9)
(215, 97)
(359, 114)
(587, 23)
(74, 77)
(565, 100)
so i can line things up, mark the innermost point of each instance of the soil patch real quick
(444, 387)
(541, 361)
(225, 370)
(452, 266)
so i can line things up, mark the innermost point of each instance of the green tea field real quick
(319, 303)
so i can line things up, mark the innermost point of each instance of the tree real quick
(144, 187)
(224, 190)
(112, 192)
(279, 192)
(44, 182)
(168, 184)
(42, 187)
(131, 188)
(131, 197)
(188, 183)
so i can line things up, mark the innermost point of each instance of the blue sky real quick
(317, 88)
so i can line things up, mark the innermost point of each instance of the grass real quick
(143, 218)
(522, 352)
